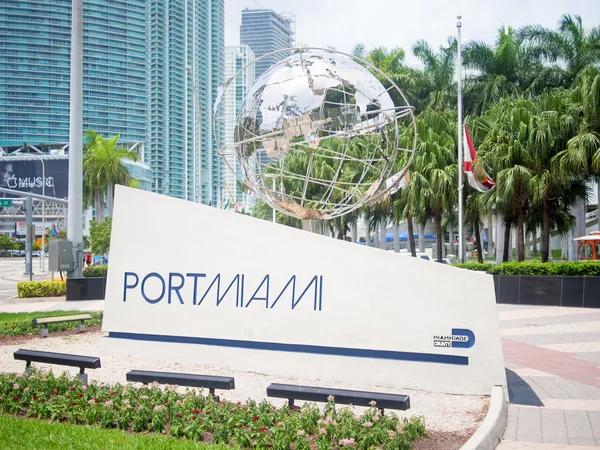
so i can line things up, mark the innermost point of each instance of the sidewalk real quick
(552, 357)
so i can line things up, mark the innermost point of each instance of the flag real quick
(478, 178)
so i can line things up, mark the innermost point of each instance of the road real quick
(11, 272)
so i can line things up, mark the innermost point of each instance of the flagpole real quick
(461, 237)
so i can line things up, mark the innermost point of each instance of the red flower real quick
(42, 401)
(240, 426)
(196, 411)
(207, 413)
(113, 393)
(16, 399)
(295, 407)
(73, 403)
(73, 388)
(276, 422)
(262, 429)
(81, 395)
(55, 392)
(35, 397)
(96, 400)
(238, 403)
(178, 415)
(255, 418)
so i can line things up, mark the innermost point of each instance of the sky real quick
(391, 23)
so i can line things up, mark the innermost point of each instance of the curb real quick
(489, 434)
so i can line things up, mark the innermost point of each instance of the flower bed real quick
(190, 415)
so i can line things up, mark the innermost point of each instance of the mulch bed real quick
(443, 440)
(11, 340)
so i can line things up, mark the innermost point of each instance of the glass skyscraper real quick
(185, 50)
(265, 31)
(236, 57)
(35, 41)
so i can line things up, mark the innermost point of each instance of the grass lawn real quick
(19, 433)
(19, 324)
(18, 317)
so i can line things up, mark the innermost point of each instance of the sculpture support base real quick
(314, 225)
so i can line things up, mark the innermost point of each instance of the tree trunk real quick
(439, 237)
(478, 244)
(507, 243)
(520, 241)
(527, 244)
(354, 232)
(545, 232)
(490, 233)
(376, 237)
(383, 239)
(367, 235)
(99, 205)
(450, 238)
(421, 240)
(598, 203)
(396, 238)
(411, 235)
(110, 198)
(534, 247)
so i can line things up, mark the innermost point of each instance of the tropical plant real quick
(438, 73)
(574, 48)
(103, 168)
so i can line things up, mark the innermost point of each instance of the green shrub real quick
(20, 324)
(28, 289)
(474, 266)
(565, 269)
(95, 272)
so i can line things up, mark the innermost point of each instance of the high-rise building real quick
(185, 52)
(265, 31)
(236, 58)
(35, 43)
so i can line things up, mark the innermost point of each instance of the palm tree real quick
(438, 73)
(103, 168)
(436, 169)
(570, 45)
(508, 69)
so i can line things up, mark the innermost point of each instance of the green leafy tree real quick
(6, 243)
(100, 236)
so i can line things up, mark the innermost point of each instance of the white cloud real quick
(343, 23)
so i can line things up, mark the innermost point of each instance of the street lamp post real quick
(191, 74)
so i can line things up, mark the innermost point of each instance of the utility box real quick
(61, 256)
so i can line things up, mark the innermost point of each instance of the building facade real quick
(236, 58)
(35, 41)
(185, 66)
(265, 31)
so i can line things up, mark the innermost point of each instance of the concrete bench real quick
(183, 379)
(342, 396)
(45, 321)
(63, 359)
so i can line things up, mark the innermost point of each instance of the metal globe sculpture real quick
(317, 135)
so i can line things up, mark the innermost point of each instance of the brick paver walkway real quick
(552, 360)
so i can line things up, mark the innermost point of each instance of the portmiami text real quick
(200, 288)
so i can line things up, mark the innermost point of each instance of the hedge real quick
(566, 269)
(95, 272)
(28, 289)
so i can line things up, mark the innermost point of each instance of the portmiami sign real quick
(172, 287)
(237, 292)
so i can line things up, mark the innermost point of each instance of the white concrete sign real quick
(233, 291)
